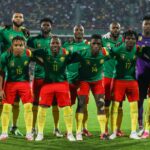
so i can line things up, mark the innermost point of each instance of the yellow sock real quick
(79, 119)
(107, 117)
(55, 112)
(41, 118)
(134, 115)
(15, 113)
(85, 118)
(1, 108)
(28, 117)
(6, 117)
(147, 115)
(35, 111)
(114, 114)
(102, 122)
(119, 118)
(68, 118)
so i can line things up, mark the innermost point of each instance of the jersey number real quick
(55, 67)
(19, 71)
(94, 69)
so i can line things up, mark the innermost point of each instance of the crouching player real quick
(90, 76)
(125, 82)
(16, 64)
(55, 85)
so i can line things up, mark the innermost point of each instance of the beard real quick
(46, 31)
(17, 25)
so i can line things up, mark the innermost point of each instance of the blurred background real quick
(94, 15)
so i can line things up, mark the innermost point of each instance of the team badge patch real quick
(25, 63)
(12, 64)
(101, 61)
(62, 59)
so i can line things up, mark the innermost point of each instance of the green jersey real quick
(126, 62)
(39, 42)
(72, 69)
(91, 67)
(17, 67)
(6, 36)
(54, 66)
(109, 66)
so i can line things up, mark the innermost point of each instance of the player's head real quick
(46, 25)
(55, 44)
(146, 25)
(18, 45)
(18, 19)
(96, 43)
(78, 31)
(114, 29)
(130, 38)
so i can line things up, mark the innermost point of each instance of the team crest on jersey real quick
(88, 62)
(101, 61)
(25, 63)
(38, 45)
(62, 59)
(11, 37)
(140, 38)
(108, 45)
(12, 64)
(123, 56)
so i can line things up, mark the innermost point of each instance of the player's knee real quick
(100, 106)
(28, 107)
(81, 104)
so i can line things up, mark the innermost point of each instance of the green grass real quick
(51, 142)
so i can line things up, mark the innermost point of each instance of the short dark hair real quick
(146, 17)
(96, 36)
(46, 20)
(130, 33)
(18, 38)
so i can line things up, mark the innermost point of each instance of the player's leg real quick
(10, 92)
(119, 93)
(108, 98)
(82, 95)
(63, 100)
(46, 94)
(55, 113)
(143, 87)
(24, 91)
(36, 87)
(132, 93)
(146, 133)
(98, 92)
(15, 115)
(1, 108)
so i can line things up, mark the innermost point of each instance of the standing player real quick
(125, 82)
(78, 44)
(6, 36)
(143, 69)
(55, 85)
(110, 41)
(90, 76)
(15, 64)
(42, 41)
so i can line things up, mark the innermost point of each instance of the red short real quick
(60, 90)
(73, 91)
(96, 87)
(128, 88)
(36, 87)
(108, 87)
(21, 89)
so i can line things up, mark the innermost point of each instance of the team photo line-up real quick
(113, 67)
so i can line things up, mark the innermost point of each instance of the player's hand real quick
(2, 94)
(25, 31)
(107, 35)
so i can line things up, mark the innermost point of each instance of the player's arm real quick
(2, 75)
